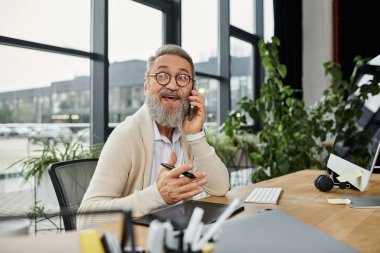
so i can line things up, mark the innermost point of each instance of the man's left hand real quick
(195, 125)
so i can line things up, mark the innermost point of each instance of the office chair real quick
(70, 181)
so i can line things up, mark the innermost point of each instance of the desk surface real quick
(359, 228)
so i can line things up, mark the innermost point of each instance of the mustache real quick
(169, 118)
(167, 92)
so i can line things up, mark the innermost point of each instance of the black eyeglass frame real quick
(170, 78)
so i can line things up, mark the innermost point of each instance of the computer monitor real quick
(346, 156)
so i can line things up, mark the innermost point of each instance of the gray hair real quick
(170, 49)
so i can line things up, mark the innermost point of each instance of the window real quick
(241, 70)
(199, 33)
(242, 14)
(135, 32)
(43, 96)
(210, 89)
(24, 69)
(40, 88)
(59, 23)
(52, 88)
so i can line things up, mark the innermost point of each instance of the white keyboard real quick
(264, 195)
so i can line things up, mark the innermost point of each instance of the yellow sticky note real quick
(350, 175)
(339, 201)
(90, 242)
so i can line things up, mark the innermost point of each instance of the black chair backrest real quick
(70, 181)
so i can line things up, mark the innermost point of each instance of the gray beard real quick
(168, 118)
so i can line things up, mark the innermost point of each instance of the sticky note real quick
(350, 175)
(339, 201)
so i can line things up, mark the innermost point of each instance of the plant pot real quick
(46, 194)
(12, 228)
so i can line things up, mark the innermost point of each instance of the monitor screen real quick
(349, 145)
(357, 142)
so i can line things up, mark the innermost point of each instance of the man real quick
(129, 174)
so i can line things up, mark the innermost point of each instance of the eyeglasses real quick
(164, 78)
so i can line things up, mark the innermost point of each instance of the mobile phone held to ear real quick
(191, 108)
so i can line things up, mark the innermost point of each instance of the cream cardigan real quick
(122, 176)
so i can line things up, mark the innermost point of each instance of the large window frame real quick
(171, 9)
(100, 68)
(225, 31)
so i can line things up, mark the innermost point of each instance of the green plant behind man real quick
(293, 136)
(35, 165)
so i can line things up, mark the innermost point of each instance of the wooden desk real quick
(359, 228)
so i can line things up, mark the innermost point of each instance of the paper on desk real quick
(350, 175)
(339, 201)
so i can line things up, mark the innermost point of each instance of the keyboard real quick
(264, 195)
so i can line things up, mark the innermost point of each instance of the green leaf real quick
(275, 40)
(289, 101)
(282, 70)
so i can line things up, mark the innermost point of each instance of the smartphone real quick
(191, 108)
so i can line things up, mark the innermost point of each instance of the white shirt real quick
(162, 149)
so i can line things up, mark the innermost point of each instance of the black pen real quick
(186, 174)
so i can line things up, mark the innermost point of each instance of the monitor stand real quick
(341, 166)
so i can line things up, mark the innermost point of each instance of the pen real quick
(186, 174)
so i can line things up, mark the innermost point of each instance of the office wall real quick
(317, 47)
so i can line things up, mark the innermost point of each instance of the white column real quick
(317, 47)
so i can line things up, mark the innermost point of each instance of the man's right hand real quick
(174, 187)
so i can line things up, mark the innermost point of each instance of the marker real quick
(186, 174)
(192, 228)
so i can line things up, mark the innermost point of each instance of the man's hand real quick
(199, 114)
(173, 187)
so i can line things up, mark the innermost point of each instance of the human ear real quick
(146, 87)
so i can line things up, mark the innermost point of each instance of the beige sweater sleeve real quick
(205, 159)
(118, 182)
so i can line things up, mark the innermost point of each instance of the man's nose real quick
(172, 85)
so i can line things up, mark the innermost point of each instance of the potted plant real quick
(34, 167)
(292, 136)
(233, 150)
